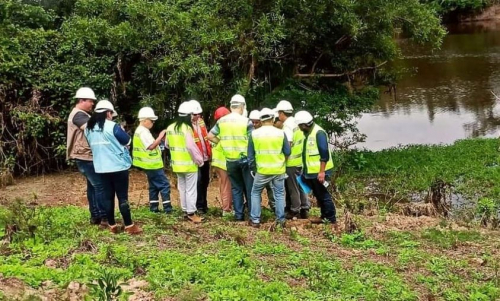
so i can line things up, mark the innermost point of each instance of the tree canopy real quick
(322, 55)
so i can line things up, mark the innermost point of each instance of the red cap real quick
(221, 112)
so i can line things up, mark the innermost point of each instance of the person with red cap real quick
(219, 166)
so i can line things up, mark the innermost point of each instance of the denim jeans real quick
(241, 184)
(116, 183)
(324, 199)
(202, 186)
(270, 196)
(158, 184)
(278, 186)
(95, 188)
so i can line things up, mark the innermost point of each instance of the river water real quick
(445, 96)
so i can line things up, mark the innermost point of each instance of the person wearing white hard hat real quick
(297, 202)
(257, 123)
(317, 164)
(78, 149)
(186, 158)
(232, 132)
(109, 144)
(268, 149)
(146, 155)
(201, 140)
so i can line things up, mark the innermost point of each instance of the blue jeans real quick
(158, 184)
(116, 183)
(95, 188)
(278, 185)
(241, 184)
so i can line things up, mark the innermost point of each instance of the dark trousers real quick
(116, 183)
(324, 198)
(158, 184)
(241, 185)
(202, 186)
(95, 188)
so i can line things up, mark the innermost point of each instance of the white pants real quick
(188, 190)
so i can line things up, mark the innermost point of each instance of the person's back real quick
(234, 135)
(268, 145)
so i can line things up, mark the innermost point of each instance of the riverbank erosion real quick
(380, 252)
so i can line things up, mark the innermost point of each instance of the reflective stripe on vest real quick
(312, 158)
(295, 158)
(180, 158)
(268, 145)
(233, 135)
(218, 159)
(144, 158)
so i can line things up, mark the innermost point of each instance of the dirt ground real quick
(69, 188)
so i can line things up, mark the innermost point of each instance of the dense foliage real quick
(322, 54)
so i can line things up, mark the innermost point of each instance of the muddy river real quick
(443, 95)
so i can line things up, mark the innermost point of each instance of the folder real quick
(303, 185)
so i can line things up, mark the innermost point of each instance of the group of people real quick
(272, 149)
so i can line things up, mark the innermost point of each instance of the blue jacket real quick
(108, 153)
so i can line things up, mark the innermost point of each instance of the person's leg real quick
(94, 189)
(270, 196)
(191, 192)
(181, 186)
(109, 198)
(121, 180)
(248, 182)
(162, 187)
(237, 188)
(154, 199)
(259, 183)
(279, 196)
(324, 200)
(305, 204)
(224, 189)
(202, 186)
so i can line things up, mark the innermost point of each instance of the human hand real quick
(321, 177)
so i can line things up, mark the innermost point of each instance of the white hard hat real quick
(105, 105)
(254, 115)
(238, 99)
(266, 114)
(147, 113)
(196, 106)
(276, 113)
(303, 117)
(284, 106)
(85, 93)
(185, 108)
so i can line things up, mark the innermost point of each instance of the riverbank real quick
(380, 252)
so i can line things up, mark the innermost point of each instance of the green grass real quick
(222, 260)
(471, 168)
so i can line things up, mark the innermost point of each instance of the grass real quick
(469, 167)
(223, 260)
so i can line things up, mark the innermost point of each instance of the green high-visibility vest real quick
(268, 145)
(144, 158)
(218, 159)
(295, 158)
(312, 158)
(233, 136)
(179, 156)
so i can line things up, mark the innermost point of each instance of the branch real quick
(339, 74)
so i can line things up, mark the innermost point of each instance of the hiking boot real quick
(133, 229)
(195, 218)
(95, 220)
(292, 215)
(154, 208)
(254, 225)
(203, 210)
(114, 229)
(104, 224)
(167, 208)
(304, 213)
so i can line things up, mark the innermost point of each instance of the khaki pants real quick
(224, 189)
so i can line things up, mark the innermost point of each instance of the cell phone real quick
(326, 184)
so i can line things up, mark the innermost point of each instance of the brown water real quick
(446, 96)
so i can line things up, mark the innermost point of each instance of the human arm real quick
(287, 150)
(214, 132)
(193, 149)
(157, 141)
(121, 135)
(80, 120)
(251, 155)
(324, 154)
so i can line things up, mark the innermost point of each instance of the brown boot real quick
(114, 229)
(104, 225)
(316, 220)
(133, 229)
(194, 218)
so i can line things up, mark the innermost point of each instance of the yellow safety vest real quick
(144, 158)
(312, 158)
(233, 136)
(218, 159)
(268, 145)
(295, 158)
(179, 156)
